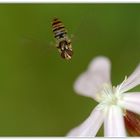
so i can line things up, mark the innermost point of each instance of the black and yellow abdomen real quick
(58, 29)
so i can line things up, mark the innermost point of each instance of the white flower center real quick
(109, 96)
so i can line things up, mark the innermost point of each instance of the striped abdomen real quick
(58, 29)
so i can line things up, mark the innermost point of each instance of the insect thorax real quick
(65, 48)
(64, 43)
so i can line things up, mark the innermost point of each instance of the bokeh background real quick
(36, 84)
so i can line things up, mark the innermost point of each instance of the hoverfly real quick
(63, 43)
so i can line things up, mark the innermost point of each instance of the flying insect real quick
(63, 43)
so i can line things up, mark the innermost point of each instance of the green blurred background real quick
(36, 84)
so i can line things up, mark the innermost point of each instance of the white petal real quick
(132, 81)
(131, 101)
(91, 82)
(114, 123)
(90, 126)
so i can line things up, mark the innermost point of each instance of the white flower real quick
(113, 101)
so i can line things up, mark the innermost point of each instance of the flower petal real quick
(132, 81)
(92, 81)
(131, 101)
(114, 123)
(90, 126)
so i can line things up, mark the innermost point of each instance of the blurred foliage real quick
(36, 84)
